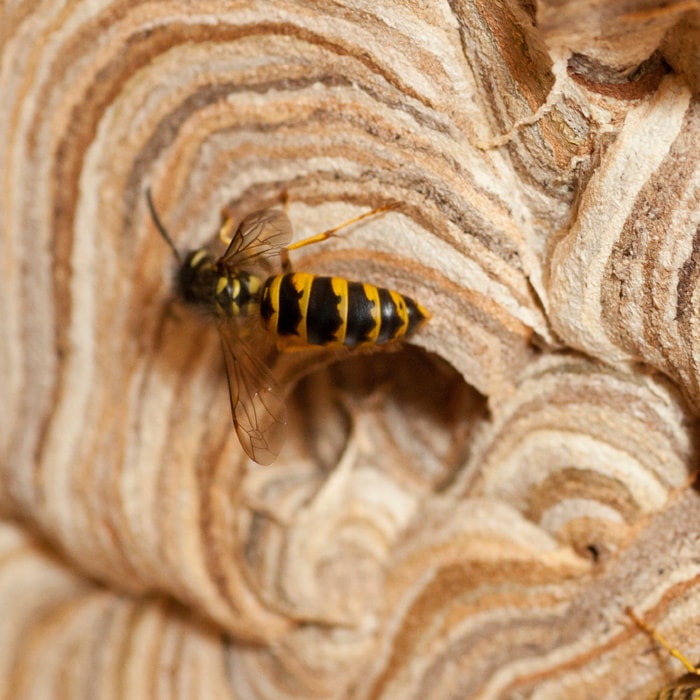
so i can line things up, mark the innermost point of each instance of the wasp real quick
(687, 687)
(253, 296)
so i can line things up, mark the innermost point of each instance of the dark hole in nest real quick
(406, 410)
(593, 551)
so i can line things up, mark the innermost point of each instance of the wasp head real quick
(197, 278)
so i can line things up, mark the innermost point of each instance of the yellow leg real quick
(286, 262)
(657, 636)
(225, 230)
(324, 235)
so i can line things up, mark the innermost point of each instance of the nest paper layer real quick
(467, 518)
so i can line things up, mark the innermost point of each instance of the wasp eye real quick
(194, 278)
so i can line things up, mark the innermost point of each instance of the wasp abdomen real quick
(306, 309)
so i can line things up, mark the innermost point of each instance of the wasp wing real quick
(257, 406)
(260, 235)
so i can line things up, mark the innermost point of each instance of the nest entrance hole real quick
(405, 409)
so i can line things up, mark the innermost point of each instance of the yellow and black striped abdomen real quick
(685, 688)
(304, 309)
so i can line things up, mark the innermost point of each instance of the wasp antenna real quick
(159, 225)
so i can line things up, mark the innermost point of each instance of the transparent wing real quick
(257, 407)
(260, 235)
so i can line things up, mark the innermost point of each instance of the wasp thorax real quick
(238, 292)
(212, 286)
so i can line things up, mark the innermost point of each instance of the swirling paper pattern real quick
(468, 518)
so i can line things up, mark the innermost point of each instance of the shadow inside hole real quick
(406, 411)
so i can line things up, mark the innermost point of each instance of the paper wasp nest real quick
(466, 518)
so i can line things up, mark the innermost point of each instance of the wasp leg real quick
(324, 235)
(286, 262)
(661, 640)
(284, 255)
(226, 227)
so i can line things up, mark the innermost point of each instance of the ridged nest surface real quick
(465, 517)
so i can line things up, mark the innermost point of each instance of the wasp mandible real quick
(245, 293)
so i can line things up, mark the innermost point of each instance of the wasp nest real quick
(466, 518)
